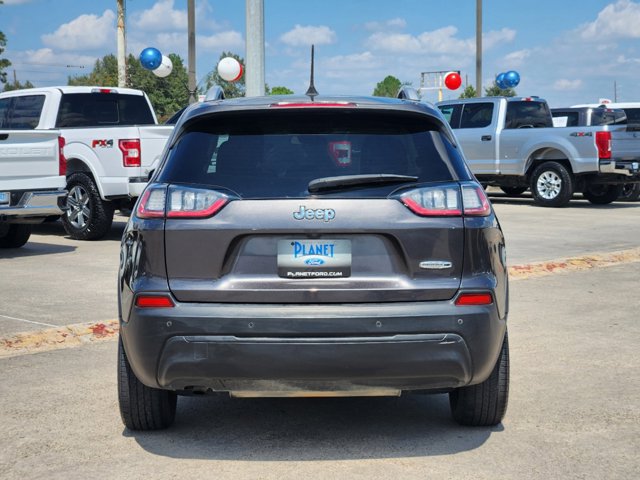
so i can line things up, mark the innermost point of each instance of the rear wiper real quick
(347, 181)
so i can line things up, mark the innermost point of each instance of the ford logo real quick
(314, 262)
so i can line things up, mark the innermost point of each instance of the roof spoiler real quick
(214, 93)
(408, 93)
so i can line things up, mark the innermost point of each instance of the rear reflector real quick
(451, 200)
(467, 299)
(180, 202)
(154, 301)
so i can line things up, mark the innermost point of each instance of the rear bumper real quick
(36, 204)
(628, 168)
(274, 350)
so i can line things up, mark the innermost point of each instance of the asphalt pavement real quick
(574, 408)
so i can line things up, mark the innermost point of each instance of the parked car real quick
(511, 143)
(292, 246)
(112, 143)
(631, 110)
(32, 180)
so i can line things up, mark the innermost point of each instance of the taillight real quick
(62, 161)
(447, 201)
(131, 153)
(470, 299)
(154, 301)
(603, 143)
(180, 202)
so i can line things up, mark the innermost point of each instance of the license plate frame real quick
(314, 258)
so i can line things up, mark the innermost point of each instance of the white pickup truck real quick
(112, 144)
(511, 143)
(32, 181)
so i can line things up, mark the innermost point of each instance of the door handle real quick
(485, 138)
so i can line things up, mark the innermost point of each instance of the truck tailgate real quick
(29, 159)
(625, 144)
(153, 138)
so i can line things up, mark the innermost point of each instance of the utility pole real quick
(254, 76)
(615, 91)
(478, 48)
(122, 64)
(191, 47)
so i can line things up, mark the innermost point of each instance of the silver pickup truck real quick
(32, 182)
(511, 143)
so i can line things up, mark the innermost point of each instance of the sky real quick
(567, 52)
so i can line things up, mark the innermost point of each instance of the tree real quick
(495, 91)
(389, 87)
(4, 63)
(469, 92)
(279, 91)
(17, 85)
(167, 95)
(231, 89)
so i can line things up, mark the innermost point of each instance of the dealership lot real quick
(573, 409)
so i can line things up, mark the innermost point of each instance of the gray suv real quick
(291, 246)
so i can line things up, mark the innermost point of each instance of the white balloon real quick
(229, 69)
(165, 68)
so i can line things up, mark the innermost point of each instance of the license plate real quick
(314, 258)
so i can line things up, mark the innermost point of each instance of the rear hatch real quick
(320, 205)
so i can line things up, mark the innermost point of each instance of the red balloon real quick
(452, 80)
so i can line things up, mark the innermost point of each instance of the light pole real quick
(191, 50)
(254, 76)
(122, 63)
(478, 48)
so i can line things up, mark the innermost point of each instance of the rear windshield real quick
(602, 116)
(108, 109)
(276, 154)
(528, 114)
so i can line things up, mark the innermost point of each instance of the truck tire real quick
(602, 194)
(514, 191)
(88, 217)
(16, 236)
(630, 192)
(142, 407)
(484, 404)
(551, 185)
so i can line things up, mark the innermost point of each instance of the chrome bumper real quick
(628, 168)
(34, 204)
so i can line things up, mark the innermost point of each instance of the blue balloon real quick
(511, 78)
(150, 58)
(500, 81)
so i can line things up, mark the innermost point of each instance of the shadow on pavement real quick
(222, 428)
(56, 229)
(32, 249)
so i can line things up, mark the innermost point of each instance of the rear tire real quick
(88, 217)
(16, 236)
(602, 194)
(514, 191)
(630, 192)
(142, 407)
(551, 185)
(484, 404)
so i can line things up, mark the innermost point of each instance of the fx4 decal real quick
(102, 143)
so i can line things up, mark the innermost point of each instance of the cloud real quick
(307, 35)
(517, 58)
(86, 32)
(16, 2)
(436, 42)
(162, 16)
(563, 84)
(394, 23)
(221, 41)
(617, 20)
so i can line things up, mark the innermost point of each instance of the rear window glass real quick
(95, 109)
(25, 112)
(276, 154)
(528, 114)
(601, 116)
(633, 115)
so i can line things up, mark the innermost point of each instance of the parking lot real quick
(573, 409)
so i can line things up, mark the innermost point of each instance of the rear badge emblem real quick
(314, 262)
(435, 265)
(304, 213)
